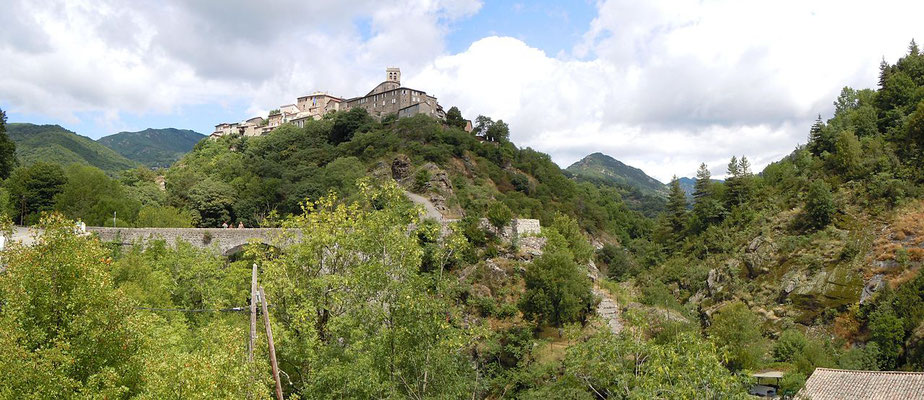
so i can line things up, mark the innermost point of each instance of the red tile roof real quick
(831, 384)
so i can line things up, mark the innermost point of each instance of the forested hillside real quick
(605, 168)
(248, 179)
(153, 147)
(813, 262)
(54, 144)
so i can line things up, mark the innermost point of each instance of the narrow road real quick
(24, 234)
(431, 211)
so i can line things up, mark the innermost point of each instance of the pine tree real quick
(703, 185)
(818, 143)
(745, 166)
(913, 48)
(677, 206)
(734, 170)
(738, 181)
(884, 70)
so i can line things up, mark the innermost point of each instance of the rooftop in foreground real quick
(825, 384)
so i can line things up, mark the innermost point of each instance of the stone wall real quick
(226, 240)
(231, 240)
(524, 227)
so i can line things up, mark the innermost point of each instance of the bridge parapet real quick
(227, 240)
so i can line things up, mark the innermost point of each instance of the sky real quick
(660, 85)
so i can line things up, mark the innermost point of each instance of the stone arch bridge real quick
(228, 241)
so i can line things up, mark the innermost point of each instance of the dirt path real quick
(431, 211)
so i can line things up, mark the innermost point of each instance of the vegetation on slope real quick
(795, 254)
(154, 148)
(603, 167)
(52, 143)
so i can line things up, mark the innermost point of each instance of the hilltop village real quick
(388, 97)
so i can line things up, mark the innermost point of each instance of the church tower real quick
(393, 75)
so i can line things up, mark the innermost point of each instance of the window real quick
(392, 101)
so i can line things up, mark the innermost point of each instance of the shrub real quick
(819, 204)
(557, 292)
(791, 343)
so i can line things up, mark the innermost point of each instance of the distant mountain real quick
(54, 144)
(689, 185)
(153, 147)
(600, 166)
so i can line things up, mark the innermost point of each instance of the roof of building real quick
(768, 374)
(825, 384)
(319, 94)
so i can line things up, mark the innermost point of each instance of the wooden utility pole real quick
(269, 341)
(253, 311)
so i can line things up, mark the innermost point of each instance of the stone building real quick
(388, 97)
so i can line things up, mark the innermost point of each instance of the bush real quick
(791, 343)
(619, 263)
(499, 215)
(557, 292)
(819, 204)
(421, 180)
(736, 330)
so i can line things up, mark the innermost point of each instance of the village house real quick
(388, 97)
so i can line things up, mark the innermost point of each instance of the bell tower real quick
(393, 74)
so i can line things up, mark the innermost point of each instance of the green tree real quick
(557, 292)
(454, 118)
(702, 188)
(213, 202)
(619, 263)
(346, 124)
(93, 197)
(847, 157)
(791, 343)
(565, 234)
(736, 330)
(7, 150)
(163, 217)
(482, 124)
(887, 331)
(914, 140)
(356, 318)
(627, 366)
(819, 204)
(64, 331)
(861, 358)
(33, 189)
(791, 383)
(677, 207)
(498, 132)
(707, 209)
(820, 139)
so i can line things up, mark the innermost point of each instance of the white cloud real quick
(662, 85)
(66, 57)
(665, 85)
